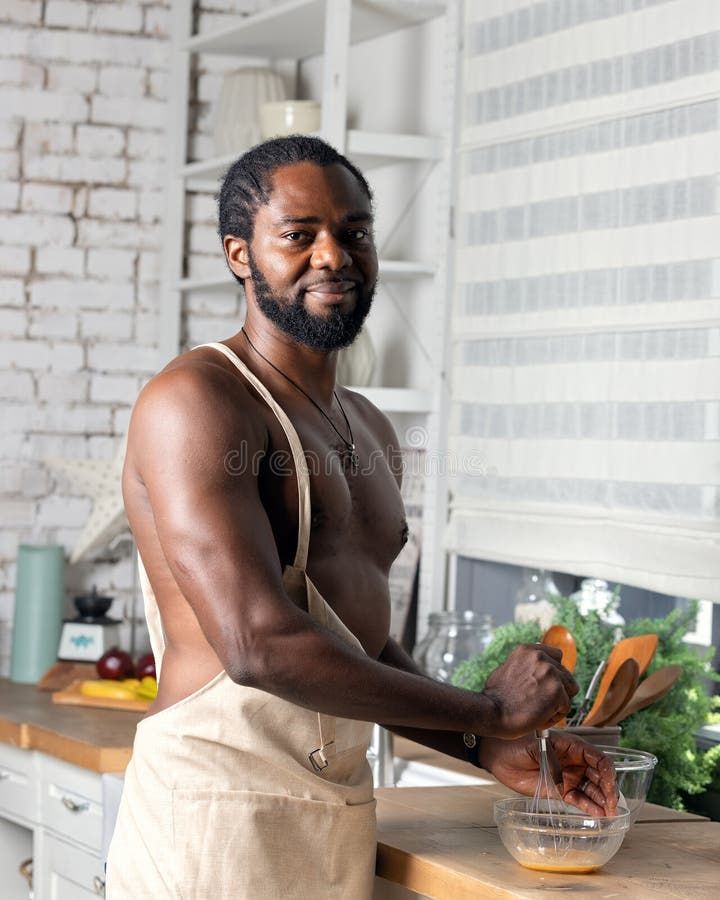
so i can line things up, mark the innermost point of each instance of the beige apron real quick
(235, 793)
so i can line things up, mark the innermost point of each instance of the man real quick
(267, 514)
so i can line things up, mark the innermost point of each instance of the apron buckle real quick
(319, 754)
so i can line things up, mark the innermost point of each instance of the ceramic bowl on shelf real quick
(554, 837)
(289, 117)
(634, 771)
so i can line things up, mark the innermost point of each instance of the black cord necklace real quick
(349, 456)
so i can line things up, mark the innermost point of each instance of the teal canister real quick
(39, 602)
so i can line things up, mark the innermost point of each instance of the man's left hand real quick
(588, 776)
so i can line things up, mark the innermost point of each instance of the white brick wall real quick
(67, 13)
(84, 109)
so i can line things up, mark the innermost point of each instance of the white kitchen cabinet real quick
(16, 846)
(50, 811)
(67, 872)
(71, 802)
(19, 805)
(19, 794)
(411, 331)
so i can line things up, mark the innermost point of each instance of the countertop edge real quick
(103, 760)
(426, 877)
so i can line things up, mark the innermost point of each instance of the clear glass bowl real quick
(558, 838)
(634, 771)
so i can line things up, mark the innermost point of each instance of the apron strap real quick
(152, 616)
(320, 758)
(303, 478)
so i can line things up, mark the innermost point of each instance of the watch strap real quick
(471, 745)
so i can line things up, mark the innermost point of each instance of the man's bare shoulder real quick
(200, 397)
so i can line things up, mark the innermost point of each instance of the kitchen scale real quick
(91, 633)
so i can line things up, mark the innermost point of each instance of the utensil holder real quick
(604, 735)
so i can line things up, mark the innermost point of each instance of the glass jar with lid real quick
(435, 621)
(458, 636)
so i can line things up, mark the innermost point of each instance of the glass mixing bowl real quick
(634, 771)
(558, 837)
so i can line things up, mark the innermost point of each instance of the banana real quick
(103, 687)
(147, 689)
(128, 689)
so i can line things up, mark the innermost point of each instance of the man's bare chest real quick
(356, 514)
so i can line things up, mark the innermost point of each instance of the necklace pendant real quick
(353, 458)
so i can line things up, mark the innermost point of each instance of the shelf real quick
(366, 148)
(396, 400)
(223, 282)
(377, 148)
(208, 169)
(390, 269)
(296, 29)
(398, 269)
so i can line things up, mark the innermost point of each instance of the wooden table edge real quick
(434, 879)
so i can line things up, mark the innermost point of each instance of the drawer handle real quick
(74, 807)
(99, 886)
(26, 870)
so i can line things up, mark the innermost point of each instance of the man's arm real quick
(221, 551)
(588, 778)
(447, 742)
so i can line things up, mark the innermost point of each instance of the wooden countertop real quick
(442, 842)
(437, 841)
(97, 739)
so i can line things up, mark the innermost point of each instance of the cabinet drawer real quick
(69, 873)
(71, 802)
(17, 790)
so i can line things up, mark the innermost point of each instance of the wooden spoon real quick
(621, 689)
(653, 688)
(559, 637)
(641, 648)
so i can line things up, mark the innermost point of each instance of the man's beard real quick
(330, 332)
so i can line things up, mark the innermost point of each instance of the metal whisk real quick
(547, 800)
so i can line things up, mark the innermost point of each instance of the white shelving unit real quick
(297, 29)
(390, 269)
(284, 35)
(366, 148)
(288, 31)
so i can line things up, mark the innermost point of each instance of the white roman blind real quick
(585, 422)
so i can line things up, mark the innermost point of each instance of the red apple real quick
(145, 666)
(115, 664)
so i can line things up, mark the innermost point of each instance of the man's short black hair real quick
(246, 185)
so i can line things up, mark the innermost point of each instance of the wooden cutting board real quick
(71, 696)
(63, 673)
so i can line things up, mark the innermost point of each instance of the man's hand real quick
(530, 690)
(588, 776)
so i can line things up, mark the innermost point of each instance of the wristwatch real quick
(471, 745)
